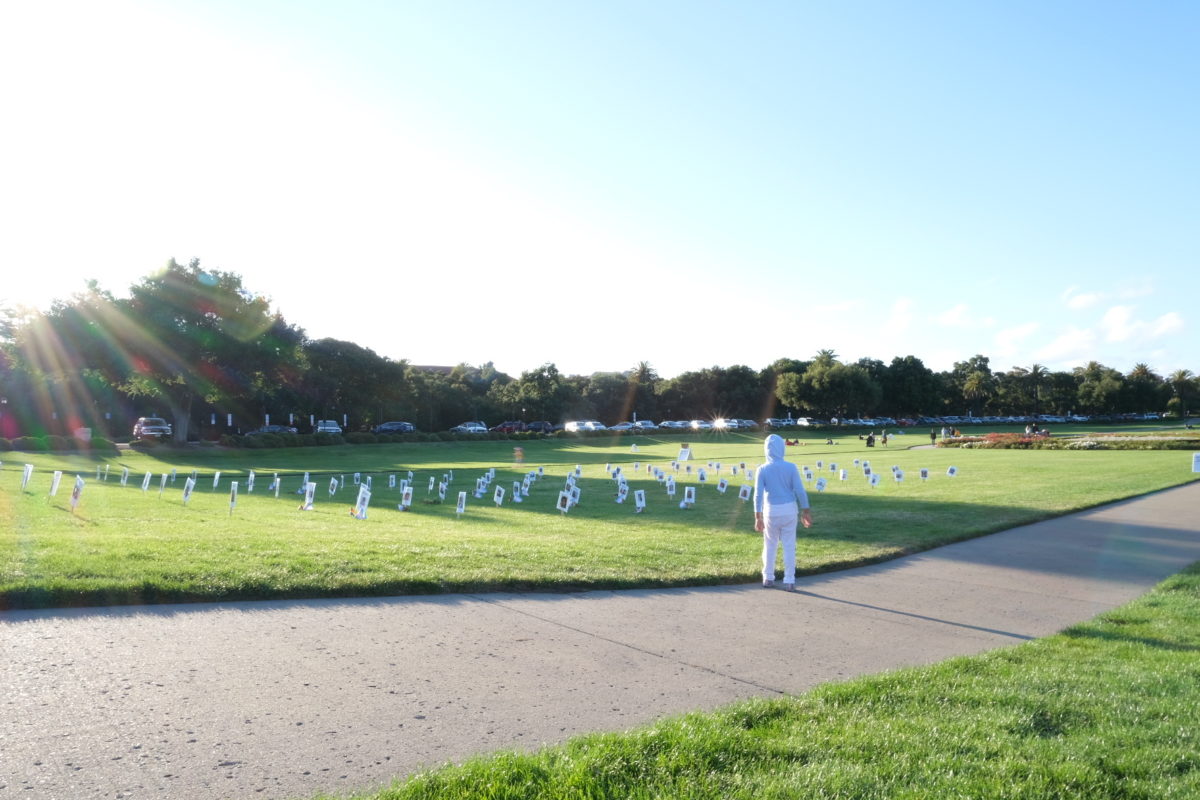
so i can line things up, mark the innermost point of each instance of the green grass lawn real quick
(125, 546)
(1107, 710)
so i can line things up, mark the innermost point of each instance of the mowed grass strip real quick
(1107, 710)
(125, 546)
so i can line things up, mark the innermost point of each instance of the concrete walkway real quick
(285, 699)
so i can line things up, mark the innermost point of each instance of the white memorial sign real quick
(76, 493)
(364, 500)
(55, 481)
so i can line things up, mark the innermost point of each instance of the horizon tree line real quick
(195, 346)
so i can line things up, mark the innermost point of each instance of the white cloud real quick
(1119, 325)
(1167, 324)
(954, 317)
(1116, 324)
(1070, 347)
(1081, 301)
(1008, 341)
(901, 316)
(1077, 300)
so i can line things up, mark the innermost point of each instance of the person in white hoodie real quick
(779, 502)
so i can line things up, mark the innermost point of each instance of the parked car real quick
(644, 425)
(700, 425)
(327, 426)
(511, 426)
(585, 425)
(622, 426)
(394, 427)
(470, 427)
(540, 427)
(151, 428)
(272, 429)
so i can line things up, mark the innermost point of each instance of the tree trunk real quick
(182, 413)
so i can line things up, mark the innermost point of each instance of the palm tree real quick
(1036, 373)
(1183, 383)
(826, 358)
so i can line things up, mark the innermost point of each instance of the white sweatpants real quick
(779, 527)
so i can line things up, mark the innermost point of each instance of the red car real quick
(513, 426)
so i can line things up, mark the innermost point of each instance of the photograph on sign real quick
(639, 498)
(952, 471)
(188, 485)
(461, 508)
(333, 486)
(689, 495)
(564, 501)
(77, 492)
(498, 496)
(744, 493)
(363, 502)
(821, 484)
(310, 492)
(406, 497)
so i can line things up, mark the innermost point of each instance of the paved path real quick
(285, 699)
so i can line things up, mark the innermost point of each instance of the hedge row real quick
(1017, 441)
(58, 444)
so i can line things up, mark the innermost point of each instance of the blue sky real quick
(600, 184)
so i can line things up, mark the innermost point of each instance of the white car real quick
(622, 426)
(584, 425)
(470, 427)
(700, 425)
(327, 426)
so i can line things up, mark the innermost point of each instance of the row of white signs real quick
(567, 498)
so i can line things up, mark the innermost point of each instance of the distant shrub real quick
(328, 439)
(29, 444)
(305, 440)
(5, 444)
(101, 445)
(59, 443)
(358, 437)
(260, 442)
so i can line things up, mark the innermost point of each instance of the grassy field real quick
(1107, 710)
(125, 546)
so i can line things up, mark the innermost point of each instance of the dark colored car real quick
(540, 427)
(151, 428)
(272, 429)
(394, 427)
(512, 426)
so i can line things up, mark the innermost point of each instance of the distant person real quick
(779, 500)
(883, 437)
(871, 439)
(933, 436)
